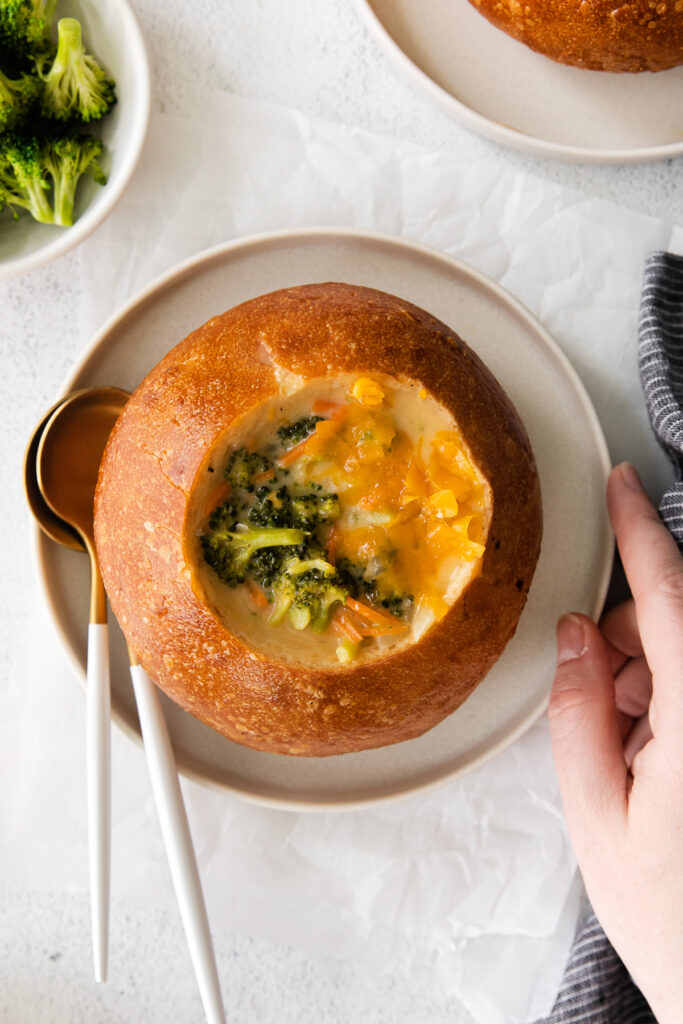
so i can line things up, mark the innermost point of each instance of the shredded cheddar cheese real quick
(443, 504)
(407, 506)
(367, 392)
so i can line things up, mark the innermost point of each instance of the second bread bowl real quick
(632, 36)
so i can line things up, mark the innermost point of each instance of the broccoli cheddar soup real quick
(338, 522)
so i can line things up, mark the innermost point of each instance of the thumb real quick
(584, 729)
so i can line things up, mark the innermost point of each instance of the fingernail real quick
(571, 638)
(630, 477)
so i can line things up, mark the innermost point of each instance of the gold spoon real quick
(67, 462)
(161, 762)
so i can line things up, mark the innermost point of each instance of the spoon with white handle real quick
(160, 759)
(177, 839)
(67, 464)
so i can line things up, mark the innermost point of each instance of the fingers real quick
(640, 734)
(654, 568)
(619, 626)
(632, 691)
(585, 732)
(633, 688)
(648, 551)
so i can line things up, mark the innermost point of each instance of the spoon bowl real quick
(52, 525)
(69, 452)
(67, 462)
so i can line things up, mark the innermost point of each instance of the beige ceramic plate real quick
(575, 560)
(499, 88)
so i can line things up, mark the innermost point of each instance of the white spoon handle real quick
(99, 789)
(178, 841)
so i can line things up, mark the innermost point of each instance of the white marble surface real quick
(313, 55)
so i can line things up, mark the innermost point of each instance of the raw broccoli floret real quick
(228, 552)
(31, 163)
(242, 466)
(67, 159)
(25, 28)
(76, 86)
(40, 87)
(292, 433)
(23, 176)
(17, 97)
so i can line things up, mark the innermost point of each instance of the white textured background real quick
(315, 56)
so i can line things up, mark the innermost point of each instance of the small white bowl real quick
(112, 34)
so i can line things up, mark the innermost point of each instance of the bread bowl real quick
(405, 485)
(640, 35)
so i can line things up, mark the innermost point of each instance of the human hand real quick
(616, 722)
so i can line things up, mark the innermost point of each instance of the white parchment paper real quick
(469, 890)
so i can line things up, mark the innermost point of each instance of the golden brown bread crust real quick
(157, 449)
(641, 35)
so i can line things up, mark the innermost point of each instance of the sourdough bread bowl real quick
(317, 520)
(640, 35)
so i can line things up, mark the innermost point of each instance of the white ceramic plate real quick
(112, 33)
(576, 556)
(501, 89)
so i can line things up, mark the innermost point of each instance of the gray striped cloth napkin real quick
(597, 988)
(660, 360)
